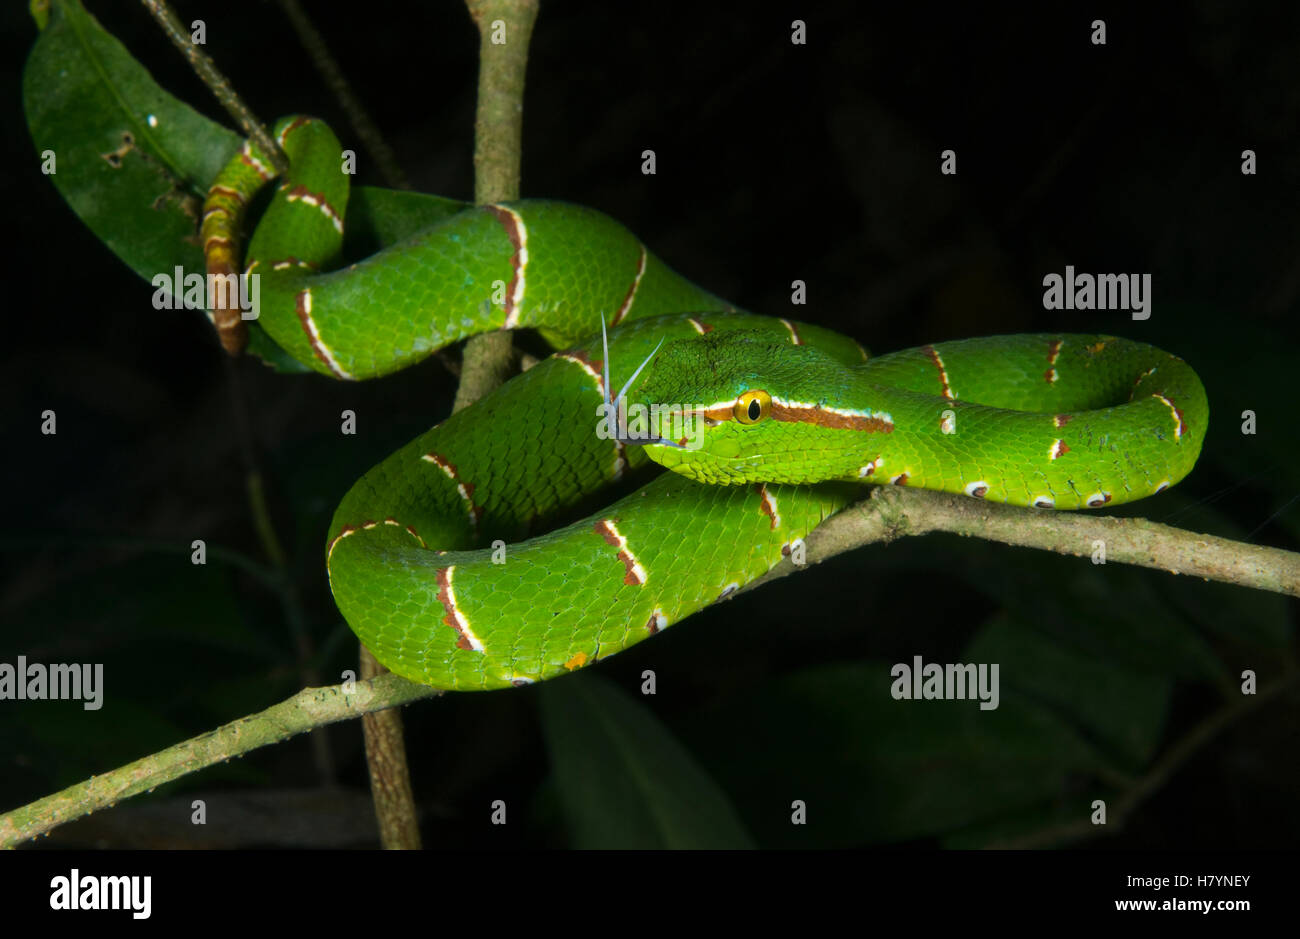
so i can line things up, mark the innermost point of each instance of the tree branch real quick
(390, 774)
(488, 358)
(505, 28)
(308, 709)
(892, 512)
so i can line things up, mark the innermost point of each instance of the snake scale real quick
(769, 425)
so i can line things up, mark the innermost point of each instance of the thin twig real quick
(217, 83)
(1164, 769)
(332, 73)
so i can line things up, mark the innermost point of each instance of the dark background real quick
(775, 162)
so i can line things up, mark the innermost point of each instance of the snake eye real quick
(752, 406)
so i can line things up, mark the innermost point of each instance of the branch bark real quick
(308, 709)
(892, 512)
(390, 775)
(488, 358)
(498, 137)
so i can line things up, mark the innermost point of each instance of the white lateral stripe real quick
(339, 537)
(450, 471)
(588, 368)
(801, 406)
(630, 561)
(469, 503)
(516, 300)
(258, 166)
(454, 612)
(285, 265)
(309, 198)
(715, 406)
(367, 526)
(631, 294)
(439, 462)
(937, 359)
(313, 336)
(292, 125)
(843, 412)
(1173, 411)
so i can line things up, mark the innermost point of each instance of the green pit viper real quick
(770, 425)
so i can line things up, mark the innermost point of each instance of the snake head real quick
(741, 407)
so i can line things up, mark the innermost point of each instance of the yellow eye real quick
(752, 406)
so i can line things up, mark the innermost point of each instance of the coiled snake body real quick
(786, 420)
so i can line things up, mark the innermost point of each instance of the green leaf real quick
(134, 162)
(1114, 612)
(871, 769)
(625, 781)
(130, 159)
(155, 599)
(1123, 711)
(178, 654)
